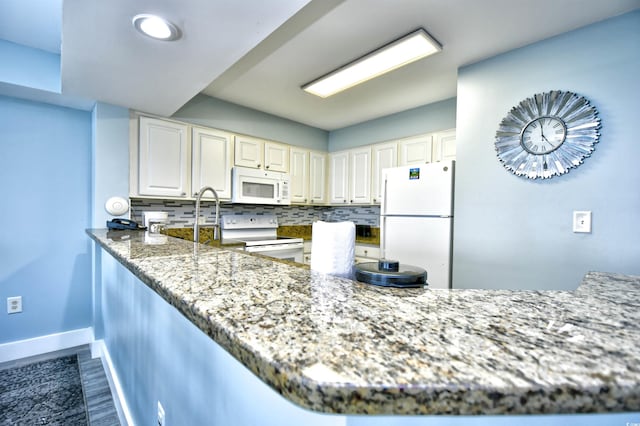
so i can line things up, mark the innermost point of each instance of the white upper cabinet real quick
(308, 176)
(175, 160)
(339, 177)
(249, 152)
(416, 150)
(360, 175)
(212, 159)
(163, 158)
(276, 157)
(384, 156)
(261, 154)
(350, 176)
(444, 145)
(299, 170)
(429, 148)
(317, 178)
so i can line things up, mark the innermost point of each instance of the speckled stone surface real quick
(339, 346)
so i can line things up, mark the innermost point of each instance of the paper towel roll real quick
(333, 247)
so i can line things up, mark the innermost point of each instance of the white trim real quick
(99, 349)
(44, 344)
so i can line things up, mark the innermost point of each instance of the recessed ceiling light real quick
(156, 27)
(396, 54)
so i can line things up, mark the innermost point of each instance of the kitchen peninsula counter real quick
(334, 345)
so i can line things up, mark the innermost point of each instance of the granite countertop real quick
(334, 345)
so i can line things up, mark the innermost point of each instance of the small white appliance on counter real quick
(416, 218)
(259, 233)
(155, 221)
(255, 186)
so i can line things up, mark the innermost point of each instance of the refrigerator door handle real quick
(383, 212)
(383, 207)
(382, 237)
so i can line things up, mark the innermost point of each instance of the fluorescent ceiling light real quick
(156, 27)
(410, 48)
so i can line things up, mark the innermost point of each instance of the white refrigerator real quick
(416, 218)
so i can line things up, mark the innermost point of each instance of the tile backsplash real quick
(182, 213)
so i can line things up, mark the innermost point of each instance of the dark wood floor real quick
(100, 406)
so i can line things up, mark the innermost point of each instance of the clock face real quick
(543, 135)
(547, 135)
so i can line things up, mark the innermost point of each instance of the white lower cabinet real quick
(163, 158)
(306, 256)
(363, 253)
(212, 159)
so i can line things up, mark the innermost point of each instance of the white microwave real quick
(254, 186)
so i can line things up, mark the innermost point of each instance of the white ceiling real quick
(258, 54)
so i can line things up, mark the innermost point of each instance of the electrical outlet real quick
(582, 221)
(14, 304)
(160, 414)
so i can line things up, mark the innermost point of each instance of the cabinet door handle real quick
(304, 201)
(258, 165)
(345, 201)
(266, 167)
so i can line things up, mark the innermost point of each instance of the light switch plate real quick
(582, 221)
(14, 304)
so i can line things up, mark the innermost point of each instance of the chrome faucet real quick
(196, 226)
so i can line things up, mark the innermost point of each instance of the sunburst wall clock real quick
(547, 135)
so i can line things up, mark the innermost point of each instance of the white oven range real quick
(259, 233)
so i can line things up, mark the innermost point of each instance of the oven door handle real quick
(275, 247)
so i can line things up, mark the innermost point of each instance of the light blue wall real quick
(109, 178)
(510, 232)
(216, 113)
(160, 356)
(110, 159)
(28, 67)
(424, 119)
(45, 175)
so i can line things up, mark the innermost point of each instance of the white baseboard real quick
(99, 349)
(44, 344)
